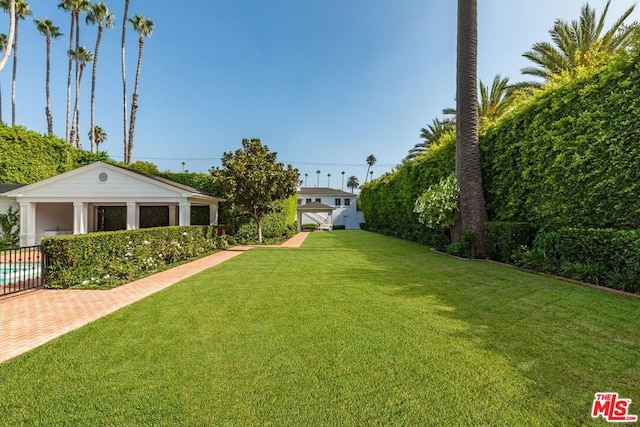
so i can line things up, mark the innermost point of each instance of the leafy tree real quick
(98, 14)
(144, 27)
(371, 160)
(22, 10)
(145, 167)
(578, 42)
(436, 207)
(9, 228)
(82, 56)
(353, 183)
(473, 212)
(49, 31)
(254, 180)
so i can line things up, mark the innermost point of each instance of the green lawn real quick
(351, 329)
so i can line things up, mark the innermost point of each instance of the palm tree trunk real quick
(15, 73)
(48, 109)
(124, 80)
(76, 112)
(134, 103)
(473, 212)
(93, 88)
(12, 24)
(1, 121)
(68, 129)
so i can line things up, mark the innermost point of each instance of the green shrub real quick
(339, 227)
(505, 239)
(104, 260)
(9, 228)
(311, 226)
(605, 257)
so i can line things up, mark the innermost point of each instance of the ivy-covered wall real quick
(567, 157)
(388, 202)
(27, 156)
(571, 156)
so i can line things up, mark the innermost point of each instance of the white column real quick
(173, 213)
(27, 224)
(80, 214)
(185, 213)
(132, 216)
(213, 214)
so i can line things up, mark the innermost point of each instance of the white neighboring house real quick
(328, 207)
(104, 197)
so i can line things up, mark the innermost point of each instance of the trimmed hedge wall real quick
(388, 202)
(27, 156)
(571, 156)
(505, 239)
(605, 257)
(105, 260)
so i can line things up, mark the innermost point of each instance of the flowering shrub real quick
(104, 260)
(436, 207)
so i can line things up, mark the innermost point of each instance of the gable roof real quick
(315, 207)
(150, 179)
(9, 187)
(323, 191)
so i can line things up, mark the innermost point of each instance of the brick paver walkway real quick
(31, 318)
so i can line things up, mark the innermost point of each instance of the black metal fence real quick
(21, 269)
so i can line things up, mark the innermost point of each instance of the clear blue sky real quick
(324, 83)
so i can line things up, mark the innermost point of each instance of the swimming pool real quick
(15, 272)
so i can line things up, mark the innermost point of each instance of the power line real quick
(283, 161)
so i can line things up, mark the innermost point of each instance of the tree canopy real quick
(253, 179)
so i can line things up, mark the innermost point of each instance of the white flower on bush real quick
(436, 207)
(146, 242)
(184, 234)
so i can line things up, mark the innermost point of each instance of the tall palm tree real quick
(576, 42)
(305, 179)
(97, 136)
(74, 7)
(144, 27)
(49, 31)
(3, 47)
(22, 10)
(82, 56)
(473, 212)
(98, 14)
(342, 187)
(371, 160)
(353, 183)
(432, 133)
(8, 44)
(329, 180)
(318, 178)
(125, 18)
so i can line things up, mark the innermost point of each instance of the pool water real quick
(18, 271)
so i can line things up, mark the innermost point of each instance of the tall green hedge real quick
(388, 202)
(568, 156)
(27, 156)
(571, 156)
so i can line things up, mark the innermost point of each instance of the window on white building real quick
(307, 201)
(337, 202)
(319, 200)
(347, 202)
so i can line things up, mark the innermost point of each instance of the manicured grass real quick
(352, 328)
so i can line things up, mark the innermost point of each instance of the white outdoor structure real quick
(328, 207)
(75, 202)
